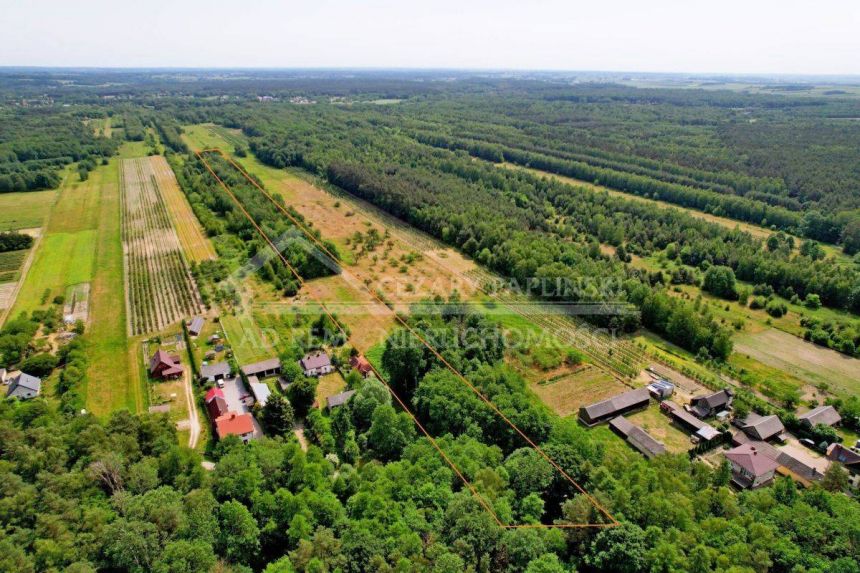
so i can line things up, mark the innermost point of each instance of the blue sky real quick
(729, 36)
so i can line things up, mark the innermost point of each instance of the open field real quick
(802, 359)
(194, 242)
(159, 286)
(661, 428)
(586, 385)
(112, 383)
(247, 340)
(25, 210)
(329, 385)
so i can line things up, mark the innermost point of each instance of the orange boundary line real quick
(450, 367)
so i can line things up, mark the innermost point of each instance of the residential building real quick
(823, 415)
(235, 424)
(316, 364)
(24, 387)
(707, 406)
(617, 405)
(762, 428)
(215, 403)
(750, 467)
(165, 366)
(361, 364)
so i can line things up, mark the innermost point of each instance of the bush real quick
(776, 308)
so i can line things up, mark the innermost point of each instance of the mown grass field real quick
(25, 210)
(111, 384)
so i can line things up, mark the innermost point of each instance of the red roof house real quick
(361, 364)
(165, 366)
(216, 405)
(235, 424)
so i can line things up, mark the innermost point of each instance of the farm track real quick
(159, 287)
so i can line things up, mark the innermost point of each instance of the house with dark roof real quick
(700, 429)
(24, 387)
(235, 424)
(215, 372)
(750, 467)
(338, 400)
(707, 406)
(616, 406)
(316, 363)
(195, 327)
(789, 466)
(165, 366)
(847, 457)
(263, 369)
(762, 428)
(824, 415)
(637, 437)
(361, 364)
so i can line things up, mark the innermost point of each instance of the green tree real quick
(277, 416)
(239, 536)
(720, 281)
(302, 394)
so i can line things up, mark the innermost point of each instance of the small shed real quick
(195, 327)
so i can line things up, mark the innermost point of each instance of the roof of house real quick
(217, 407)
(196, 325)
(793, 466)
(751, 458)
(25, 382)
(315, 360)
(839, 453)
(233, 423)
(617, 403)
(212, 370)
(260, 391)
(173, 370)
(160, 357)
(339, 399)
(762, 427)
(826, 415)
(212, 393)
(262, 366)
(360, 363)
(638, 438)
(703, 404)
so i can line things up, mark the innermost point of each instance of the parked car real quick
(808, 443)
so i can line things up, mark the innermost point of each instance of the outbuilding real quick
(617, 405)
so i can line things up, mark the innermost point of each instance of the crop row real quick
(160, 288)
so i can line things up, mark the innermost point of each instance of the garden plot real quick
(159, 288)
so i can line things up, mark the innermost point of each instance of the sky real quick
(693, 36)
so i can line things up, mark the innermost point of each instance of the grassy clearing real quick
(329, 385)
(661, 428)
(813, 364)
(585, 385)
(63, 259)
(247, 340)
(25, 210)
(113, 382)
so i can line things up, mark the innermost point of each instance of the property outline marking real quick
(302, 227)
